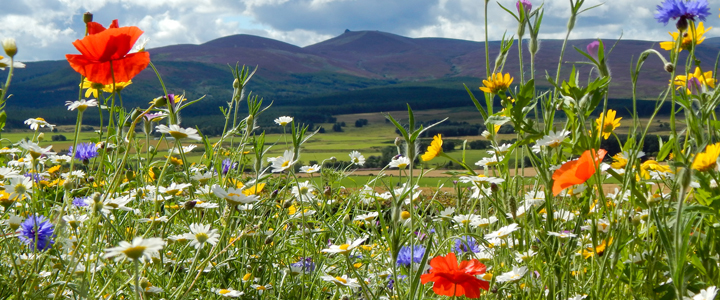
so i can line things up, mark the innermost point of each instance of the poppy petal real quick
(110, 44)
(99, 72)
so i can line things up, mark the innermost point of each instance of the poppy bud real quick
(669, 67)
(87, 17)
(190, 204)
(9, 46)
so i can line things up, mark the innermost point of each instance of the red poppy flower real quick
(109, 47)
(577, 171)
(453, 280)
(95, 28)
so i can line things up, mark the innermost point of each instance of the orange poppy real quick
(108, 48)
(95, 28)
(577, 171)
(453, 280)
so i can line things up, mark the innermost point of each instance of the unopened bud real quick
(327, 191)
(636, 220)
(669, 67)
(9, 46)
(41, 136)
(91, 179)
(190, 204)
(159, 101)
(87, 17)
(346, 220)
(129, 175)
(287, 204)
(68, 185)
(398, 141)
(269, 240)
(274, 194)
(236, 83)
(96, 197)
(682, 24)
(250, 120)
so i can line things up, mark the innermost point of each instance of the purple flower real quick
(682, 10)
(593, 48)
(408, 255)
(305, 264)
(85, 151)
(37, 233)
(466, 244)
(80, 201)
(227, 164)
(526, 5)
(153, 116)
(35, 177)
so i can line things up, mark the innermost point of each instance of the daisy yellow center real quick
(303, 190)
(340, 279)
(261, 288)
(401, 166)
(40, 119)
(344, 246)
(515, 276)
(465, 222)
(283, 123)
(134, 252)
(20, 188)
(554, 144)
(233, 195)
(285, 164)
(246, 277)
(405, 215)
(223, 292)
(178, 134)
(201, 237)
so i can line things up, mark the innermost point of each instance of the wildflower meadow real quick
(127, 216)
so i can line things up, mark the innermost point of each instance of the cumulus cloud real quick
(45, 29)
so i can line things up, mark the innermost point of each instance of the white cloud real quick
(45, 29)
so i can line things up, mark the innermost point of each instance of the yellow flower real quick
(653, 165)
(687, 38)
(434, 149)
(606, 126)
(175, 161)
(92, 88)
(707, 160)
(53, 169)
(119, 86)
(497, 83)
(619, 161)
(694, 80)
(253, 190)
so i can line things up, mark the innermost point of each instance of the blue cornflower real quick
(85, 151)
(306, 265)
(80, 201)
(406, 256)
(682, 10)
(37, 231)
(35, 176)
(227, 164)
(467, 244)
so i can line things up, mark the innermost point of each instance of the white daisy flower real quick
(344, 248)
(174, 188)
(310, 169)
(282, 163)
(562, 235)
(553, 138)
(201, 234)
(6, 172)
(357, 158)
(468, 219)
(38, 123)
(229, 293)
(178, 132)
(706, 294)
(401, 162)
(502, 232)
(524, 256)
(284, 120)
(512, 276)
(303, 191)
(5, 62)
(73, 221)
(34, 149)
(19, 186)
(367, 217)
(341, 281)
(135, 250)
(81, 104)
(489, 161)
(233, 196)
(500, 150)
(261, 288)
(481, 179)
(185, 149)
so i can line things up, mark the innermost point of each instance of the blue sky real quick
(45, 29)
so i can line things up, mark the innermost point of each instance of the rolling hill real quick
(365, 70)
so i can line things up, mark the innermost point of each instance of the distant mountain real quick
(332, 70)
